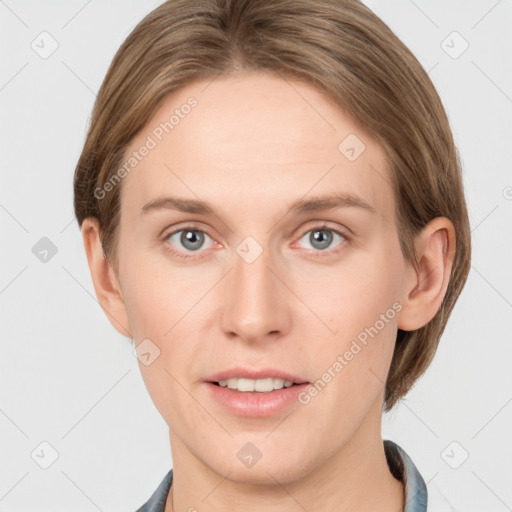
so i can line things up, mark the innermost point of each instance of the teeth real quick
(261, 385)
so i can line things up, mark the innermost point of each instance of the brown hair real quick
(338, 46)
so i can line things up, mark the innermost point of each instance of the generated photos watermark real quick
(343, 359)
(151, 142)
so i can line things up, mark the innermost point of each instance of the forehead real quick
(254, 136)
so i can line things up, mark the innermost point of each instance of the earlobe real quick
(426, 287)
(105, 282)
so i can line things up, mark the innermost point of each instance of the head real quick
(256, 110)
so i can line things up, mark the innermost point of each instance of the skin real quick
(254, 144)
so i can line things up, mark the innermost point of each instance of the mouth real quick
(261, 380)
(247, 392)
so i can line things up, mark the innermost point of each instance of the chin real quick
(278, 468)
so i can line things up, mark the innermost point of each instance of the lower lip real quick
(255, 404)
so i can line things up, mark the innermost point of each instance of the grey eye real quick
(321, 239)
(190, 239)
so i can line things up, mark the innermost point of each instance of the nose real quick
(256, 305)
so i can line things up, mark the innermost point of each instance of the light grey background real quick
(67, 378)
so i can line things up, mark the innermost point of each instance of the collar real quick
(403, 468)
(400, 465)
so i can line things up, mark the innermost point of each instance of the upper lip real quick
(248, 373)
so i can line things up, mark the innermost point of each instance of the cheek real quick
(162, 306)
(354, 341)
(157, 295)
(160, 325)
(350, 298)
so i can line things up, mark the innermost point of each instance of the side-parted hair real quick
(340, 47)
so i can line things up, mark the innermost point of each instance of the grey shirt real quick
(400, 465)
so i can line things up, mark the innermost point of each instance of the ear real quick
(425, 287)
(105, 282)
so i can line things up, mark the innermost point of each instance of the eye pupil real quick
(319, 236)
(192, 240)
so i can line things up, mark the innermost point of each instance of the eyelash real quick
(195, 227)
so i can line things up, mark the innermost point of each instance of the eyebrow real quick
(315, 204)
(338, 200)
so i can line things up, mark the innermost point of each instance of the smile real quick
(260, 385)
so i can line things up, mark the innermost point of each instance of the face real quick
(311, 292)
